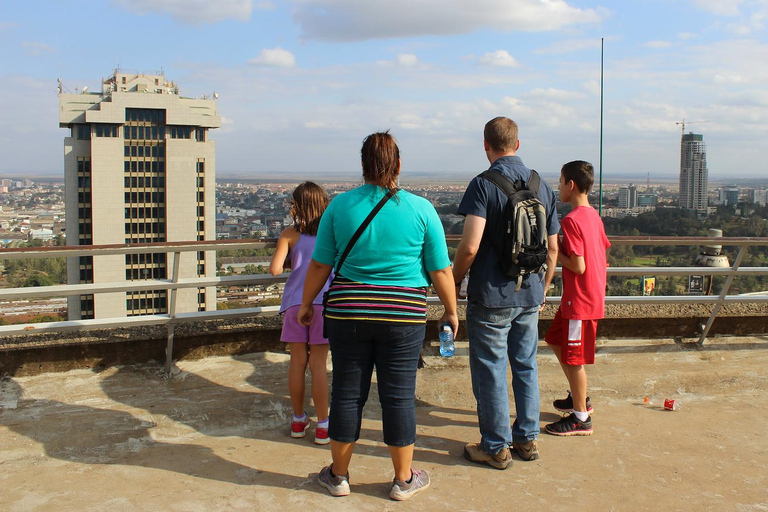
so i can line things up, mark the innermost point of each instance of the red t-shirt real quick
(584, 235)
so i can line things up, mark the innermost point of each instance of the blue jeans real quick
(356, 348)
(498, 335)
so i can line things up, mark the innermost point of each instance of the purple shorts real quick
(294, 332)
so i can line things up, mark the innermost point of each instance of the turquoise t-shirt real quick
(400, 246)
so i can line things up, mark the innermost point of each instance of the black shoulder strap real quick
(362, 227)
(534, 183)
(500, 180)
(508, 186)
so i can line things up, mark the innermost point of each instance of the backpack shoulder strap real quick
(534, 183)
(500, 180)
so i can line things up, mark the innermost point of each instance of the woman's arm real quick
(317, 275)
(288, 239)
(442, 280)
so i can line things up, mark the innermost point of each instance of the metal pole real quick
(723, 293)
(172, 313)
(600, 200)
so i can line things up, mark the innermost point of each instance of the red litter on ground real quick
(671, 405)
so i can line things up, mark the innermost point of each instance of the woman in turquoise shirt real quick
(376, 310)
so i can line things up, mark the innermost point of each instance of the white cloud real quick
(407, 59)
(195, 12)
(657, 44)
(275, 57)
(554, 94)
(355, 20)
(570, 45)
(34, 49)
(719, 7)
(500, 58)
(6, 26)
(747, 26)
(687, 35)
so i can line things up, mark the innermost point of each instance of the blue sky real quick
(302, 82)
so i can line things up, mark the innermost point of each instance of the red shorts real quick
(576, 339)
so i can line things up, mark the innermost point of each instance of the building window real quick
(200, 134)
(105, 130)
(181, 132)
(83, 132)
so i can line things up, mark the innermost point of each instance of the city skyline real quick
(301, 82)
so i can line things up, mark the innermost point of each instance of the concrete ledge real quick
(57, 352)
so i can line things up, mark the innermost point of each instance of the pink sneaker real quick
(321, 436)
(299, 428)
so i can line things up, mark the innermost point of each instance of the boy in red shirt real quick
(574, 329)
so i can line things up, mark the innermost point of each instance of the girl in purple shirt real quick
(307, 344)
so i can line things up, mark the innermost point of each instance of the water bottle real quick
(463, 287)
(447, 348)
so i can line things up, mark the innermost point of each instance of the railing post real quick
(721, 300)
(172, 313)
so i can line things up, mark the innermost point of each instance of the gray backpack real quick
(523, 247)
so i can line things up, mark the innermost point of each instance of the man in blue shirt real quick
(502, 324)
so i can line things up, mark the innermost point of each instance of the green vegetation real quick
(674, 222)
(34, 272)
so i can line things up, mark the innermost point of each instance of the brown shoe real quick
(502, 460)
(527, 450)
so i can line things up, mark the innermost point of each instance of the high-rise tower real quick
(139, 168)
(693, 173)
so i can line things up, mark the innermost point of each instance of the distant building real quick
(139, 167)
(645, 199)
(41, 234)
(693, 173)
(628, 197)
(758, 197)
(729, 195)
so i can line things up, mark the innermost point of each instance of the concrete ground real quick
(214, 437)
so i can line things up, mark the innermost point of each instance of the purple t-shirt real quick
(300, 255)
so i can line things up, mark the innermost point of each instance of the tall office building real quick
(139, 168)
(729, 195)
(758, 196)
(628, 197)
(693, 173)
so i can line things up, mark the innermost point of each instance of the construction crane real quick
(683, 123)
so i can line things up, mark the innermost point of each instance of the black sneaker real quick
(566, 404)
(570, 426)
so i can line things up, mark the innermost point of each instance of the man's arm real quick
(468, 246)
(552, 252)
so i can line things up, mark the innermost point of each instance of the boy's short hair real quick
(581, 173)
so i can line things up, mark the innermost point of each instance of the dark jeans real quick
(393, 349)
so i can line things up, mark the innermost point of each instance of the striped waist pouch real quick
(351, 300)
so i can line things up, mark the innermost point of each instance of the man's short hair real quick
(581, 173)
(501, 134)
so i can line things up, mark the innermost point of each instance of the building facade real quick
(693, 173)
(139, 168)
(758, 196)
(628, 197)
(729, 195)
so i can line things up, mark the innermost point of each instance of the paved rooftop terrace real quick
(215, 437)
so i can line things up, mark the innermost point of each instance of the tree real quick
(38, 279)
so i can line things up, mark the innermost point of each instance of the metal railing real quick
(175, 283)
